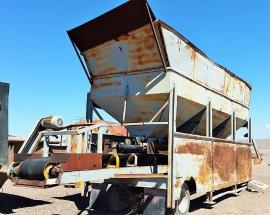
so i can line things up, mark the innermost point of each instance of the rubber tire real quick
(186, 196)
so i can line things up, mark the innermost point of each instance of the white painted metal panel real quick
(187, 61)
(134, 51)
(196, 78)
(180, 55)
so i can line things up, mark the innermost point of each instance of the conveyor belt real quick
(29, 141)
(53, 122)
(33, 169)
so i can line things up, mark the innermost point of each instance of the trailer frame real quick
(162, 177)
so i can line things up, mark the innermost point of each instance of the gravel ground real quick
(60, 200)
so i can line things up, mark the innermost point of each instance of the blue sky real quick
(37, 59)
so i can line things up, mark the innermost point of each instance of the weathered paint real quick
(197, 80)
(189, 61)
(113, 128)
(133, 59)
(192, 158)
(224, 165)
(77, 143)
(243, 164)
(82, 161)
(212, 164)
(134, 51)
(149, 91)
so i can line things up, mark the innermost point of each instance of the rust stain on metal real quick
(74, 143)
(139, 44)
(107, 84)
(215, 164)
(131, 53)
(204, 176)
(109, 70)
(82, 161)
(224, 164)
(200, 154)
(193, 55)
(244, 164)
(77, 142)
(113, 129)
(116, 130)
(191, 148)
(153, 97)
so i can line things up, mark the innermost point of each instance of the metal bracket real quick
(160, 110)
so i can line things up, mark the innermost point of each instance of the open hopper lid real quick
(128, 16)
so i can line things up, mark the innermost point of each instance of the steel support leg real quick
(154, 202)
(209, 133)
(98, 196)
(171, 130)
(89, 109)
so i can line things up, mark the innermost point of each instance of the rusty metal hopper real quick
(130, 54)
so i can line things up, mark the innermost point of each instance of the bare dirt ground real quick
(60, 200)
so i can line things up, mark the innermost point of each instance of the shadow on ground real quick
(9, 202)
(199, 203)
(80, 201)
(196, 204)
